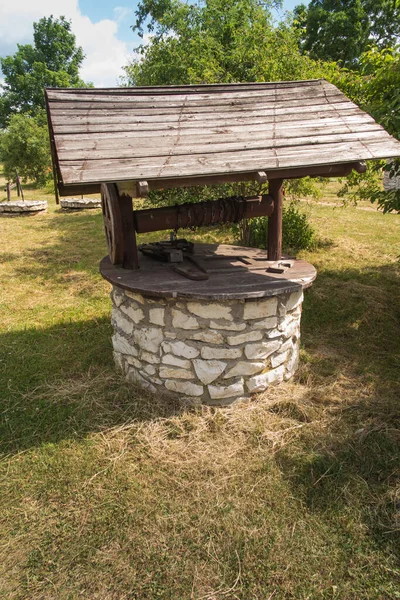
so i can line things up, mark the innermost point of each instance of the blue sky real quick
(102, 28)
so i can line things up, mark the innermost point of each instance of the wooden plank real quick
(252, 160)
(178, 149)
(183, 117)
(197, 106)
(222, 123)
(202, 88)
(157, 279)
(130, 259)
(275, 220)
(129, 187)
(286, 129)
(120, 94)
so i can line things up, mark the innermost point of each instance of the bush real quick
(297, 232)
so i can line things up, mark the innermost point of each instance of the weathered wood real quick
(92, 171)
(54, 158)
(211, 212)
(184, 133)
(261, 177)
(113, 224)
(130, 258)
(142, 189)
(178, 116)
(156, 139)
(275, 221)
(353, 115)
(234, 273)
(179, 148)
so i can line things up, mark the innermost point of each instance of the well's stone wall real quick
(212, 352)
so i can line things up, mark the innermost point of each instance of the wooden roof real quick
(162, 133)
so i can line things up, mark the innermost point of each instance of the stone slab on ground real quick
(23, 207)
(80, 203)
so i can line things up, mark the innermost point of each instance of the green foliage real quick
(53, 61)
(297, 232)
(341, 30)
(25, 149)
(376, 88)
(216, 41)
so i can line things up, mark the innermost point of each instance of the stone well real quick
(212, 350)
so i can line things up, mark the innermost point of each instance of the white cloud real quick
(105, 53)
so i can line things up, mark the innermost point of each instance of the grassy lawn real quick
(108, 493)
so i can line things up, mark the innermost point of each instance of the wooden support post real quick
(131, 259)
(275, 220)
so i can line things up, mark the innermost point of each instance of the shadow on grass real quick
(351, 366)
(60, 383)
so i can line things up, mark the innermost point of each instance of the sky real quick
(101, 27)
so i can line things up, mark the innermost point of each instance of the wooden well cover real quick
(155, 133)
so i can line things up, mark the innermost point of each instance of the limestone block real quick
(136, 314)
(181, 320)
(135, 296)
(134, 377)
(226, 391)
(119, 360)
(117, 296)
(208, 336)
(278, 359)
(265, 324)
(244, 369)
(148, 338)
(175, 373)
(170, 359)
(170, 335)
(288, 345)
(251, 336)
(150, 369)
(294, 300)
(180, 349)
(134, 362)
(217, 353)
(259, 383)
(292, 364)
(184, 387)
(120, 322)
(259, 309)
(263, 350)
(208, 370)
(156, 316)
(293, 328)
(149, 357)
(274, 333)
(120, 344)
(210, 311)
(228, 326)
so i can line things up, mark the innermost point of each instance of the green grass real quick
(109, 493)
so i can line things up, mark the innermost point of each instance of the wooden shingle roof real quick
(161, 133)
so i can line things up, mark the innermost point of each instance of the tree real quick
(52, 61)
(342, 30)
(377, 89)
(25, 149)
(216, 41)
